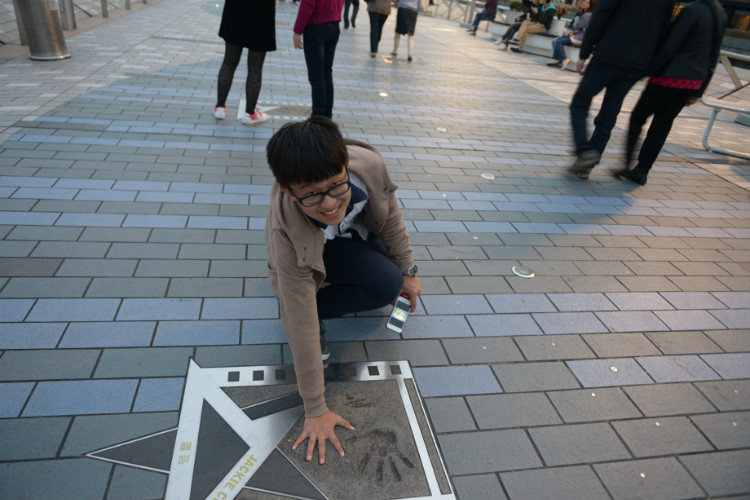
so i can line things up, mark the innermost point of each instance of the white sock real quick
(396, 40)
(411, 45)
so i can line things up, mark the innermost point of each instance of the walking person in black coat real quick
(623, 36)
(682, 69)
(251, 25)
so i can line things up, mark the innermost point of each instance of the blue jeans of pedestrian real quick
(617, 81)
(377, 21)
(319, 42)
(479, 17)
(558, 47)
(361, 277)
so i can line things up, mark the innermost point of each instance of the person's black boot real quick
(636, 175)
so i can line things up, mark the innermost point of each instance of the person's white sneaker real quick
(255, 118)
(220, 112)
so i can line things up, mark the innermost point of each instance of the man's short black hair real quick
(307, 152)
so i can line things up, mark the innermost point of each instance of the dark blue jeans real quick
(376, 30)
(479, 17)
(618, 81)
(319, 42)
(361, 275)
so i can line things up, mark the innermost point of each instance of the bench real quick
(539, 44)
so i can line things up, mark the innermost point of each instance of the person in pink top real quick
(318, 22)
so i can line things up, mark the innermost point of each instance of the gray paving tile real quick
(570, 483)
(47, 364)
(651, 478)
(738, 318)
(512, 410)
(81, 397)
(143, 362)
(638, 301)
(93, 432)
(492, 325)
(74, 310)
(455, 304)
(108, 334)
(569, 322)
(729, 366)
(734, 300)
(554, 347)
(688, 320)
(661, 436)
(449, 415)
(631, 321)
(610, 345)
(456, 381)
(134, 309)
(608, 372)
(436, 327)
(692, 300)
(172, 333)
(23, 266)
(682, 342)
(593, 405)
(417, 352)
(727, 395)
(159, 394)
(581, 302)
(231, 308)
(14, 310)
(14, 396)
(517, 303)
(44, 287)
(720, 473)
(82, 479)
(482, 350)
(235, 355)
(479, 487)
(31, 438)
(725, 430)
(578, 444)
(730, 340)
(664, 369)
(528, 377)
(476, 452)
(473, 285)
(128, 484)
(668, 399)
(30, 336)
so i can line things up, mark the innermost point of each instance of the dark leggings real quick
(511, 31)
(665, 104)
(232, 55)
(361, 275)
(376, 29)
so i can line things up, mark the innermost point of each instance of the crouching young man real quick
(333, 218)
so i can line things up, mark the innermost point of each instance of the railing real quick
(725, 58)
(67, 13)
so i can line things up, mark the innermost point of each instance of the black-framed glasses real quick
(317, 198)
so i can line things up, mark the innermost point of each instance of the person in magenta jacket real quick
(318, 26)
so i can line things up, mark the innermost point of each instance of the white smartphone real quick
(399, 314)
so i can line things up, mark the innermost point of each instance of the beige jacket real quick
(295, 263)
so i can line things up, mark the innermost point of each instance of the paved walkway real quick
(131, 226)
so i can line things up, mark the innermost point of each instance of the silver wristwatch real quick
(412, 271)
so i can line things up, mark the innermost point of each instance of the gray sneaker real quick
(585, 162)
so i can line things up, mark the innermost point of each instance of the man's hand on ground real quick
(412, 287)
(319, 429)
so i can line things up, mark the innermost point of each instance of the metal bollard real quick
(105, 12)
(127, 4)
(67, 15)
(41, 21)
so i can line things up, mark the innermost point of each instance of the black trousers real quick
(376, 29)
(320, 48)
(665, 104)
(361, 277)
